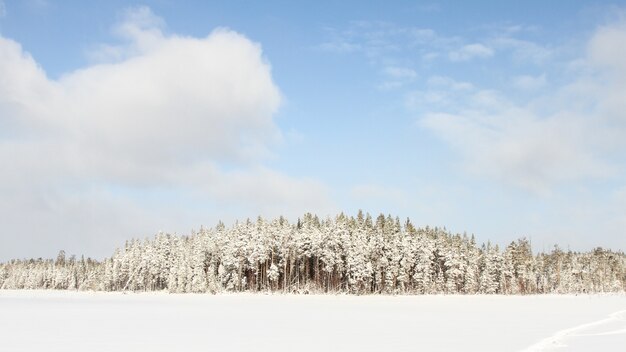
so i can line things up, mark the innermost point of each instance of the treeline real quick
(357, 255)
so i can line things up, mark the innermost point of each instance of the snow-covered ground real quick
(87, 321)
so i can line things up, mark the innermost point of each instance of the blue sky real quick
(121, 119)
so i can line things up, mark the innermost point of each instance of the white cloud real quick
(516, 147)
(523, 51)
(571, 135)
(430, 56)
(390, 85)
(339, 46)
(421, 34)
(400, 72)
(606, 50)
(140, 28)
(271, 193)
(398, 77)
(381, 41)
(606, 47)
(449, 83)
(419, 99)
(527, 82)
(471, 51)
(163, 113)
(441, 92)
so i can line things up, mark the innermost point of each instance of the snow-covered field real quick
(87, 321)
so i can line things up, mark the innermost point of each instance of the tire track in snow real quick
(557, 340)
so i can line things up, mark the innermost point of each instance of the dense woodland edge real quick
(356, 255)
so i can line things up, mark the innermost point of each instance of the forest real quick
(344, 254)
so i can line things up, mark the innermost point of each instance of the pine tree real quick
(341, 254)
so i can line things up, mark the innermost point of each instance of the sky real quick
(120, 119)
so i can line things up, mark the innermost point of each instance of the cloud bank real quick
(92, 157)
(573, 133)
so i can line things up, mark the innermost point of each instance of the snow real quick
(97, 321)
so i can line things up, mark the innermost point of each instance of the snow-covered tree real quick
(342, 254)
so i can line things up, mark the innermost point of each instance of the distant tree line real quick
(357, 255)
